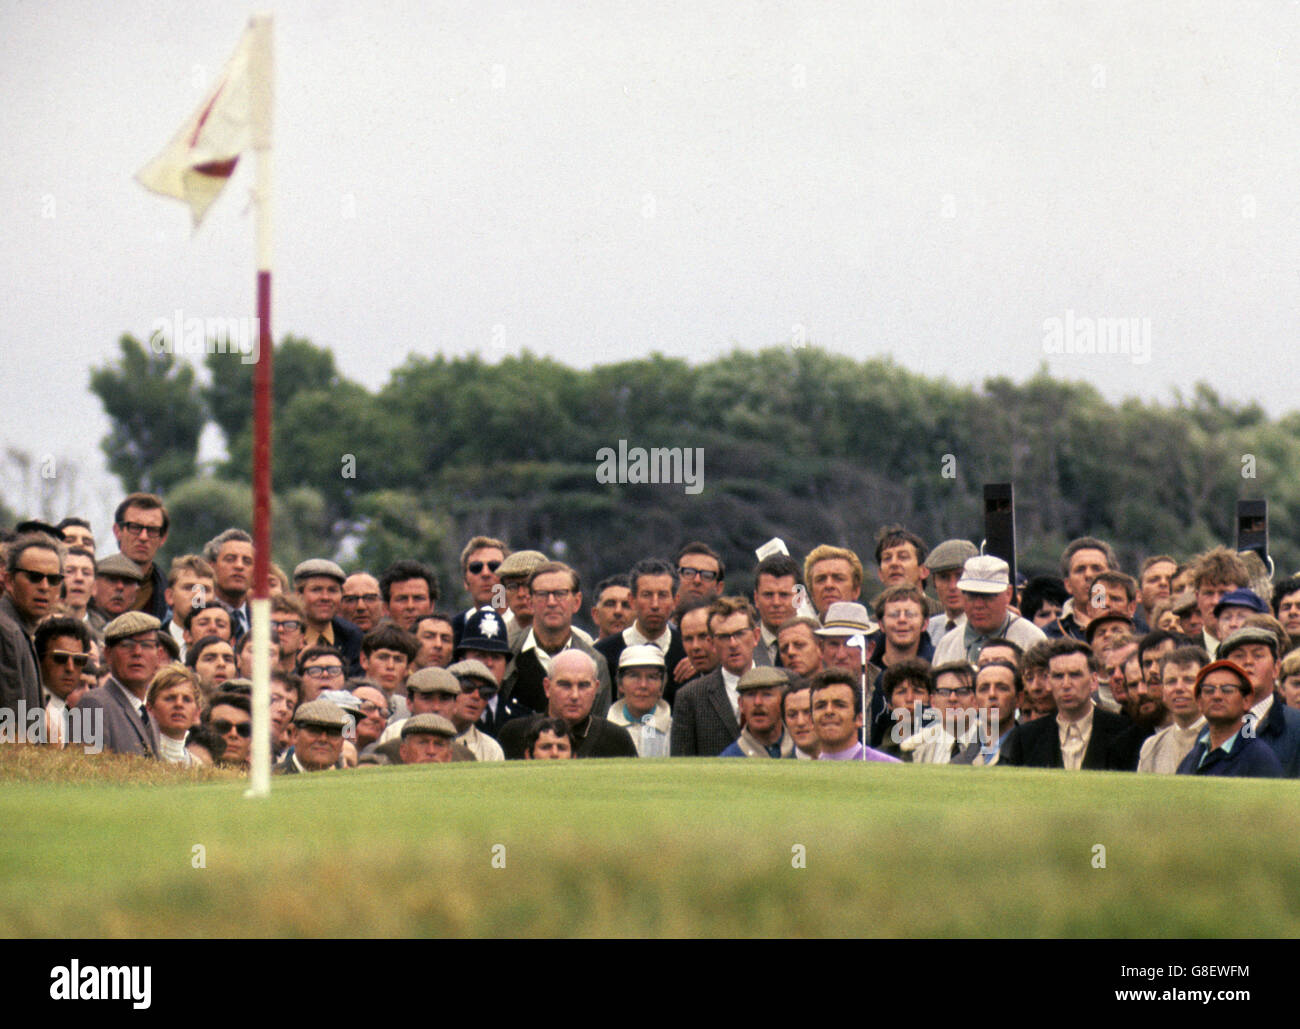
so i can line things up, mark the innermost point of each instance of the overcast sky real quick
(594, 182)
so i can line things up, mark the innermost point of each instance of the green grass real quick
(664, 848)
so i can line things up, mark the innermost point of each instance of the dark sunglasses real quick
(36, 578)
(64, 656)
(476, 567)
(221, 727)
(486, 692)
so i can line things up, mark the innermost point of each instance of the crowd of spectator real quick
(1189, 667)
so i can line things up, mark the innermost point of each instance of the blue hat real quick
(1242, 598)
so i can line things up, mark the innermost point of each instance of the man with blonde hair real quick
(832, 574)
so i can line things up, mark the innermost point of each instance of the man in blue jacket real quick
(1255, 647)
(1228, 746)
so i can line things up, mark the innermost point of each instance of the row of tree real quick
(797, 442)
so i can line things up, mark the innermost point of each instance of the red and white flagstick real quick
(261, 96)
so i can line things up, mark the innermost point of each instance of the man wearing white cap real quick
(986, 590)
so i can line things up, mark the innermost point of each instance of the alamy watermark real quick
(1130, 337)
(677, 465)
(81, 727)
(194, 336)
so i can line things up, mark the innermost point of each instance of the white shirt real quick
(634, 637)
(730, 682)
(543, 658)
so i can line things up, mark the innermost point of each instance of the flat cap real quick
(762, 677)
(318, 566)
(950, 555)
(429, 723)
(119, 566)
(435, 680)
(129, 624)
(324, 713)
(1247, 634)
(845, 618)
(472, 669)
(984, 573)
(641, 655)
(521, 564)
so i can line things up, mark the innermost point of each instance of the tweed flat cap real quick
(433, 725)
(521, 564)
(323, 713)
(129, 624)
(119, 566)
(473, 669)
(950, 555)
(762, 677)
(434, 680)
(318, 566)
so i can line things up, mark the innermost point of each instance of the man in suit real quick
(319, 583)
(35, 573)
(131, 649)
(706, 718)
(230, 553)
(1081, 735)
(776, 580)
(555, 595)
(654, 584)
(570, 692)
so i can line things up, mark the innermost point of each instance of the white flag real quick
(197, 163)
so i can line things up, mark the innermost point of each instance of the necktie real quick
(1072, 749)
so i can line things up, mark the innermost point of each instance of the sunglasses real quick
(221, 727)
(136, 529)
(323, 730)
(476, 567)
(486, 692)
(36, 578)
(64, 656)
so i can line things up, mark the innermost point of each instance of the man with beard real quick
(1145, 707)
(1164, 751)
(762, 731)
(570, 692)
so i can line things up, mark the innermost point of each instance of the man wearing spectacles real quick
(35, 575)
(477, 687)
(362, 603)
(1223, 692)
(288, 630)
(131, 650)
(479, 561)
(320, 668)
(140, 527)
(63, 647)
(700, 572)
(555, 595)
(316, 739)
